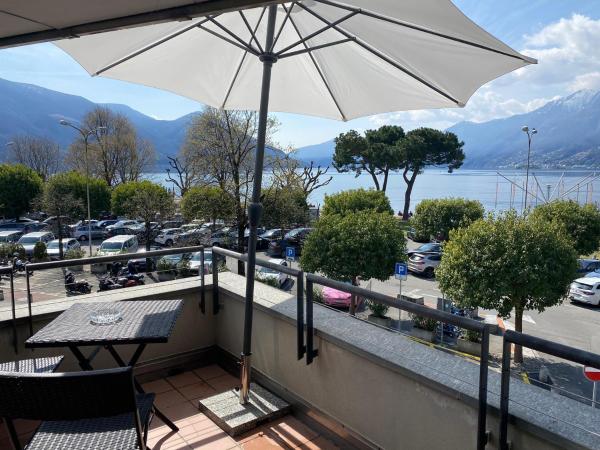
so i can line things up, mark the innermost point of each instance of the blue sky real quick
(562, 34)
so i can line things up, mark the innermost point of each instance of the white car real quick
(585, 290)
(424, 263)
(195, 262)
(266, 273)
(168, 236)
(123, 223)
(68, 244)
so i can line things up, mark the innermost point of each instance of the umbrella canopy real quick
(335, 60)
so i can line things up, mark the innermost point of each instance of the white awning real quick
(29, 21)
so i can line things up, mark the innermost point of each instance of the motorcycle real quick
(74, 287)
(19, 265)
(120, 277)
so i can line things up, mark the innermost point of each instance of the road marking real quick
(529, 319)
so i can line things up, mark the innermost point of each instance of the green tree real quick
(354, 200)
(437, 217)
(58, 199)
(425, 147)
(143, 200)
(364, 244)
(284, 207)
(581, 222)
(19, 186)
(377, 153)
(75, 184)
(509, 263)
(207, 203)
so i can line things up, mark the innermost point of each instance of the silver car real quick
(29, 240)
(81, 233)
(68, 244)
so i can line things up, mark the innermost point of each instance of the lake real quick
(492, 190)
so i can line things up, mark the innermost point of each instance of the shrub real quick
(378, 309)
(183, 269)
(164, 266)
(424, 323)
(472, 336)
(317, 295)
(356, 200)
(75, 253)
(438, 217)
(39, 252)
(7, 251)
(274, 282)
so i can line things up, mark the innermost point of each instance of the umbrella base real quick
(225, 409)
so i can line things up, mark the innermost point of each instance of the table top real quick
(143, 321)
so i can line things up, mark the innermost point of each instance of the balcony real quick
(367, 387)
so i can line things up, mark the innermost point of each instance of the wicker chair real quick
(34, 365)
(79, 410)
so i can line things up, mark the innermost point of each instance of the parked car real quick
(171, 224)
(68, 244)
(82, 232)
(588, 265)
(10, 236)
(140, 262)
(29, 240)
(121, 231)
(168, 237)
(272, 274)
(191, 236)
(585, 290)
(430, 247)
(424, 263)
(195, 262)
(64, 220)
(122, 223)
(220, 238)
(80, 223)
(107, 222)
(118, 244)
(38, 226)
(22, 226)
(270, 235)
(294, 238)
(336, 298)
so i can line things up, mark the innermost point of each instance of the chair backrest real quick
(67, 396)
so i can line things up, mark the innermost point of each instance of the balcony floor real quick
(178, 396)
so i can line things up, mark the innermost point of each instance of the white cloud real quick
(568, 61)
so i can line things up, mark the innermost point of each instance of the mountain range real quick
(568, 137)
(33, 110)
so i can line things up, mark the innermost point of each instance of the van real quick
(125, 243)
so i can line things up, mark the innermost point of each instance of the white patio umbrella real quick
(333, 59)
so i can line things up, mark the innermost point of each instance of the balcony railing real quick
(305, 329)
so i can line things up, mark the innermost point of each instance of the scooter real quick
(74, 287)
(19, 266)
(109, 283)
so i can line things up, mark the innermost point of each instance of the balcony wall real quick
(380, 387)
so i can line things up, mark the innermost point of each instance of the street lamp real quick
(86, 134)
(530, 133)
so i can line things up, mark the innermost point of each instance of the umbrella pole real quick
(255, 208)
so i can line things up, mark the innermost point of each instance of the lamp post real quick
(86, 135)
(10, 144)
(530, 134)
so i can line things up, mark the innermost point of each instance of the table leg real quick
(84, 363)
(134, 359)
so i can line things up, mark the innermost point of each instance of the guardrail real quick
(30, 267)
(542, 345)
(301, 348)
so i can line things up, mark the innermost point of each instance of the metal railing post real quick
(482, 436)
(14, 312)
(310, 351)
(504, 393)
(300, 314)
(215, 280)
(29, 301)
(202, 294)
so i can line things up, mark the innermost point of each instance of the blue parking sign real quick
(290, 253)
(401, 271)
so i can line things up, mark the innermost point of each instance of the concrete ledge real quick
(556, 419)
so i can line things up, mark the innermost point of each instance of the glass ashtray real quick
(105, 317)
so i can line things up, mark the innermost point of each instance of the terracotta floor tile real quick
(291, 431)
(157, 386)
(182, 412)
(264, 442)
(252, 434)
(319, 443)
(214, 439)
(197, 391)
(223, 382)
(208, 372)
(169, 398)
(183, 379)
